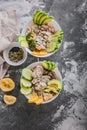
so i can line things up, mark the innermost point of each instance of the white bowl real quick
(58, 76)
(6, 56)
(29, 24)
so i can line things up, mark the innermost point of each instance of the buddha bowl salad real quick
(40, 83)
(43, 36)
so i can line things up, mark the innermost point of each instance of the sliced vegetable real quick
(55, 42)
(51, 46)
(25, 90)
(57, 84)
(47, 20)
(36, 14)
(26, 82)
(48, 65)
(53, 65)
(41, 17)
(51, 89)
(45, 65)
(21, 38)
(23, 42)
(27, 73)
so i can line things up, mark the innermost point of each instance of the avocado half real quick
(41, 17)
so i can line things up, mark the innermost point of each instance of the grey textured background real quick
(69, 110)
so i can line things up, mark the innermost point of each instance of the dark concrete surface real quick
(69, 110)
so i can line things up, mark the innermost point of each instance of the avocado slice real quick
(55, 83)
(50, 89)
(43, 18)
(40, 16)
(36, 15)
(37, 19)
(47, 20)
(45, 65)
(49, 65)
(53, 65)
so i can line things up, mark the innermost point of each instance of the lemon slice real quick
(9, 100)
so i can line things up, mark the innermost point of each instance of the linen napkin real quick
(3, 67)
(8, 28)
(8, 33)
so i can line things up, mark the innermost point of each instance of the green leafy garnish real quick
(55, 42)
(32, 45)
(31, 41)
(57, 37)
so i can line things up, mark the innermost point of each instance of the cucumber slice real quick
(26, 83)
(22, 41)
(21, 38)
(27, 73)
(24, 44)
(51, 46)
(25, 90)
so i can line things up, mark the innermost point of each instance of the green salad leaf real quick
(32, 45)
(55, 42)
(57, 38)
(31, 41)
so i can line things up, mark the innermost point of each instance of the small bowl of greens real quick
(42, 36)
(15, 54)
(41, 82)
